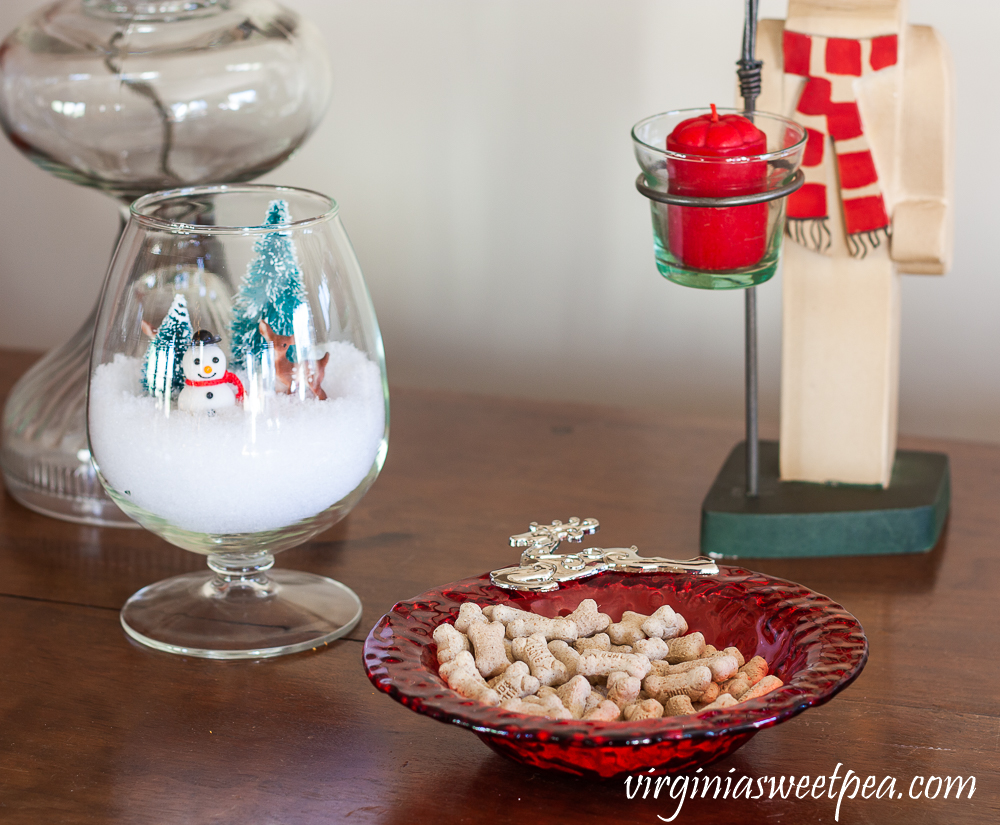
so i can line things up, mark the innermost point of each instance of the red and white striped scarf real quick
(828, 106)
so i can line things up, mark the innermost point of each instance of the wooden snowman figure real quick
(875, 96)
(208, 386)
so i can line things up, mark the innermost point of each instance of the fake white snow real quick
(238, 471)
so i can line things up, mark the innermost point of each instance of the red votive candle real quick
(730, 237)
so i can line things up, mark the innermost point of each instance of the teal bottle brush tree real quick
(162, 369)
(271, 291)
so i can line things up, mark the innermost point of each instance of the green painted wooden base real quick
(791, 518)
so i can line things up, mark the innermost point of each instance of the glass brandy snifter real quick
(237, 406)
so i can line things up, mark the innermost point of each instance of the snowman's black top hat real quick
(203, 337)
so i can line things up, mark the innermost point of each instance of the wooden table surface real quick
(94, 728)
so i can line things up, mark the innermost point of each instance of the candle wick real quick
(715, 114)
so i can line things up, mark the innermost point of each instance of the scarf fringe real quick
(812, 233)
(861, 243)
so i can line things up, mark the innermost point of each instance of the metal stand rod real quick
(749, 75)
(753, 444)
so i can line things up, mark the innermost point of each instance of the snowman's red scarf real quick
(228, 378)
(828, 106)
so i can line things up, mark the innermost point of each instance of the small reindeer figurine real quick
(291, 377)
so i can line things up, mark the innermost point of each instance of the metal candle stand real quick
(749, 77)
(799, 518)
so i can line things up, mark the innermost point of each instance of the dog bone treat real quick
(679, 705)
(594, 698)
(711, 694)
(606, 711)
(646, 709)
(736, 686)
(589, 620)
(574, 695)
(653, 649)
(462, 676)
(548, 706)
(487, 644)
(544, 666)
(722, 665)
(600, 641)
(754, 670)
(746, 677)
(514, 683)
(763, 687)
(686, 648)
(467, 614)
(565, 654)
(563, 629)
(724, 701)
(628, 630)
(584, 666)
(601, 663)
(691, 683)
(505, 613)
(734, 652)
(664, 624)
(450, 643)
(623, 689)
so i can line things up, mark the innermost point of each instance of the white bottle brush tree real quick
(162, 371)
(271, 290)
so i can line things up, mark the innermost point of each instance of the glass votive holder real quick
(718, 221)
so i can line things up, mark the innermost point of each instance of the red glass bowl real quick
(811, 643)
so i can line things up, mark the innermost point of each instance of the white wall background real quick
(480, 153)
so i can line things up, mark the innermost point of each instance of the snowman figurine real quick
(208, 386)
